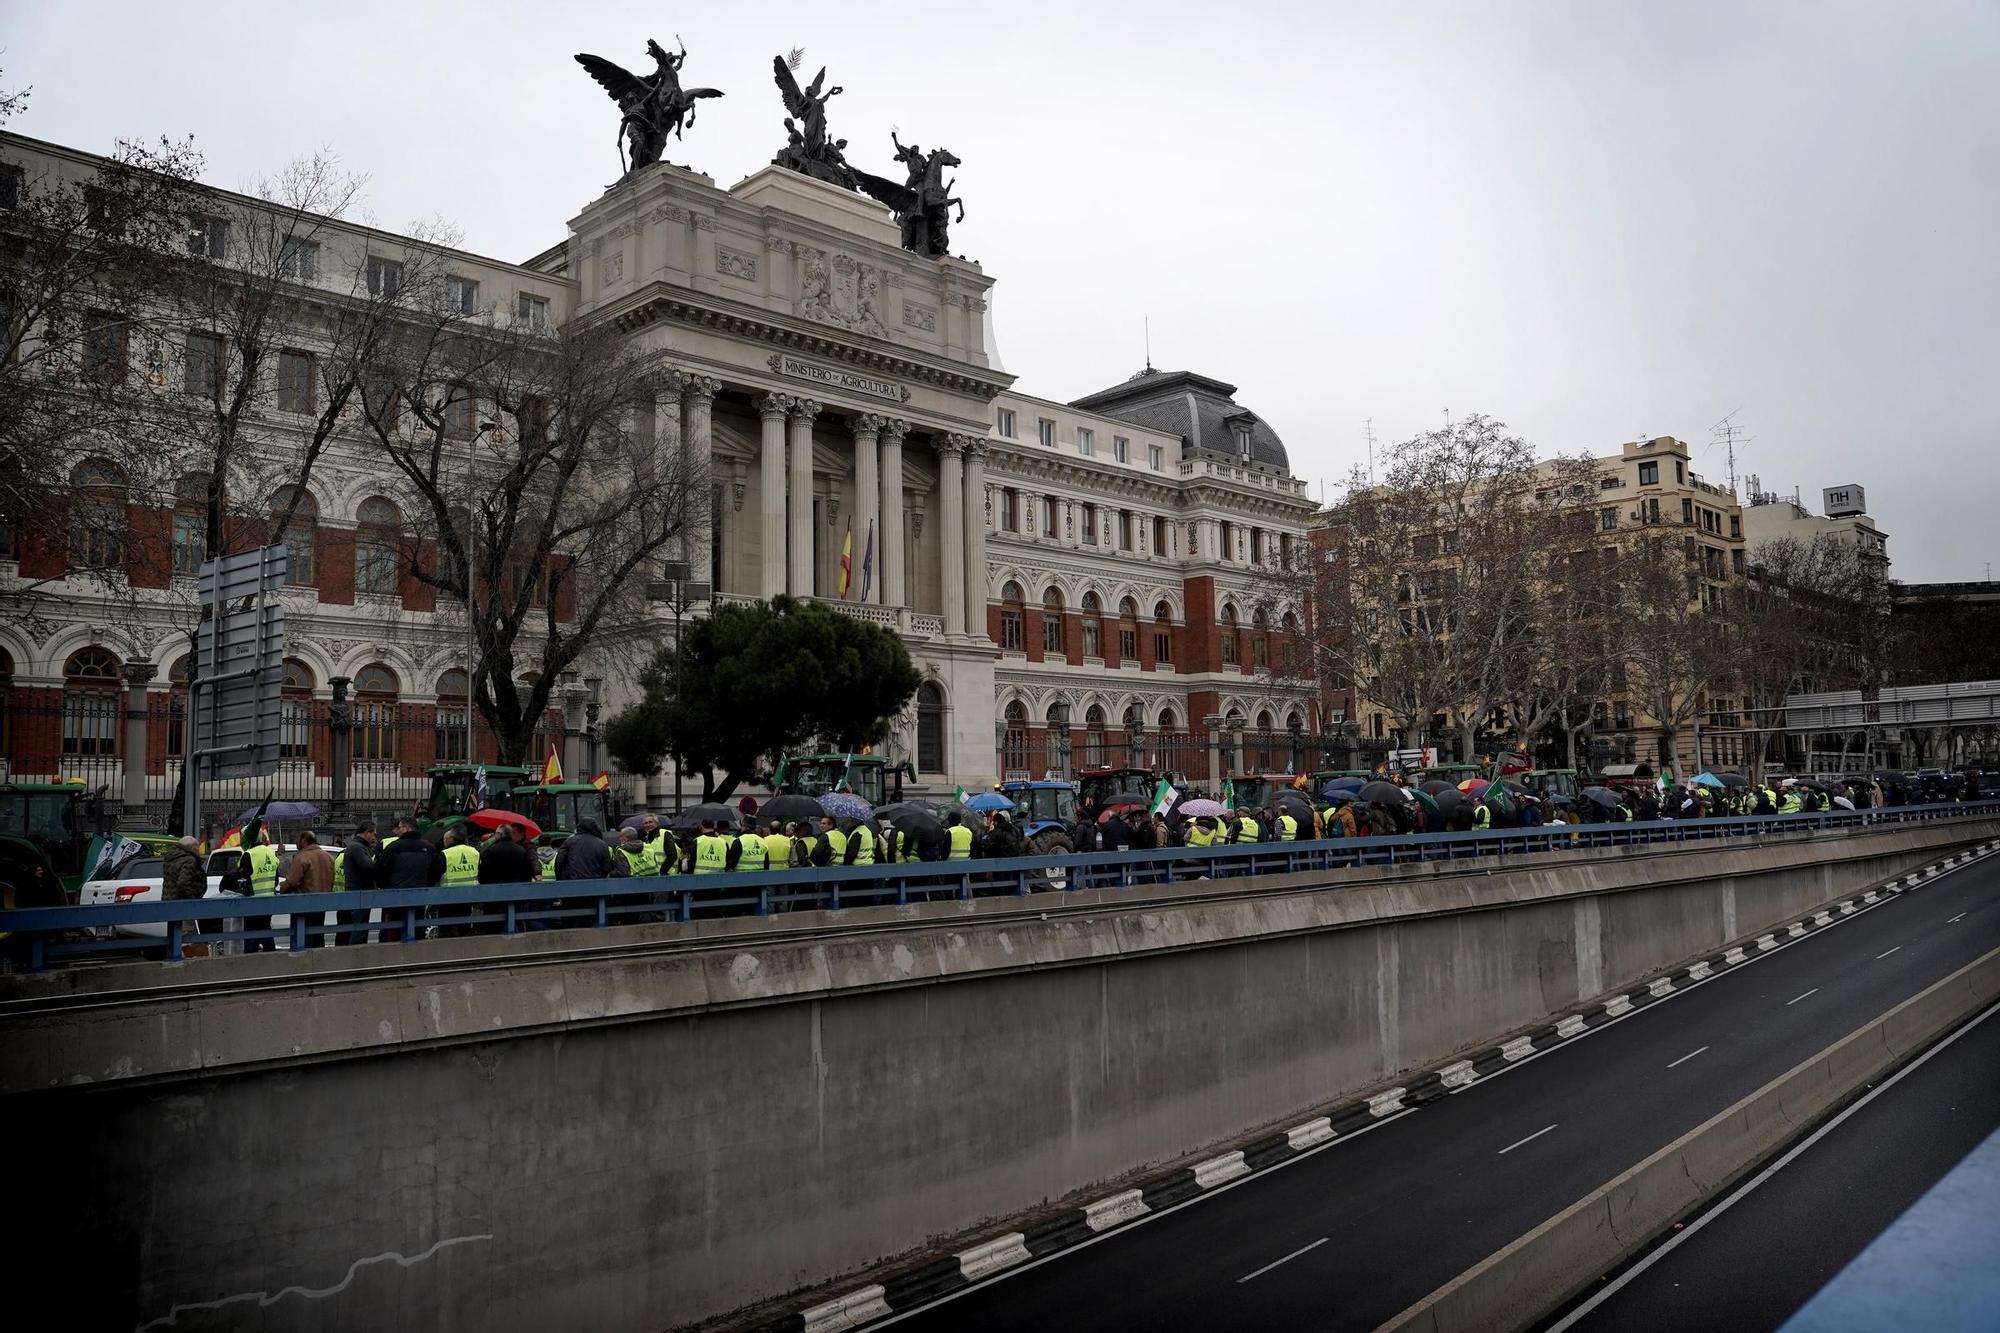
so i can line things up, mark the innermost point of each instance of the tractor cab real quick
(1116, 790)
(1452, 773)
(43, 839)
(558, 806)
(1045, 811)
(1557, 786)
(455, 792)
(1256, 791)
(866, 775)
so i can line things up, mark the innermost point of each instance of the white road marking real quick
(1287, 1259)
(1796, 998)
(1885, 953)
(1687, 1233)
(1955, 920)
(1689, 1056)
(1530, 1139)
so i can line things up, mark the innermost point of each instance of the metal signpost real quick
(234, 726)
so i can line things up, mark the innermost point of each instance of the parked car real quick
(142, 881)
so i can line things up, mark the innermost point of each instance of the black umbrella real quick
(1732, 779)
(1601, 796)
(1448, 800)
(910, 817)
(1384, 793)
(1296, 802)
(788, 808)
(1341, 797)
(1437, 786)
(723, 815)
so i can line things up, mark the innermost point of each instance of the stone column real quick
(695, 413)
(773, 407)
(575, 754)
(799, 581)
(667, 420)
(975, 537)
(340, 726)
(894, 593)
(867, 500)
(951, 535)
(137, 676)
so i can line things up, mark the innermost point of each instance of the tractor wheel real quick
(1054, 842)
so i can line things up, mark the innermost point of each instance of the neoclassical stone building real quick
(1065, 575)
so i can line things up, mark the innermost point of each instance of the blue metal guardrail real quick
(36, 937)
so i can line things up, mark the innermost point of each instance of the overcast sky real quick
(1593, 220)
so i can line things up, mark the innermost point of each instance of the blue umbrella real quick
(285, 812)
(845, 805)
(990, 800)
(1709, 780)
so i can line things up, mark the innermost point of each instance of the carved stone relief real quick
(612, 267)
(841, 290)
(735, 264)
(920, 317)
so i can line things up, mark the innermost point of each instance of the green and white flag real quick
(108, 853)
(1163, 797)
(960, 793)
(1229, 792)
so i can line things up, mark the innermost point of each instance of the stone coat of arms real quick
(840, 289)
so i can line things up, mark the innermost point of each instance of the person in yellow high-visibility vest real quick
(1288, 826)
(831, 849)
(263, 861)
(959, 836)
(461, 871)
(777, 846)
(1202, 832)
(751, 853)
(861, 846)
(711, 850)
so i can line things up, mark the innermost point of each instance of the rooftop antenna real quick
(1728, 434)
(1149, 342)
(1368, 429)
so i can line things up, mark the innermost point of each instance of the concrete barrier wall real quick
(720, 1114)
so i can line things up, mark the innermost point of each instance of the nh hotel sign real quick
(835, 377)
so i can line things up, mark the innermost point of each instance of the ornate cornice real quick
(675, 305)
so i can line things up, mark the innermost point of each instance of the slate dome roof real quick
(1202, 411)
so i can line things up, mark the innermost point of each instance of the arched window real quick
(1052, 622)
(1260, 639)
(97, 521)
(1014, 747)
(376, 542)
(1227, 619)
(1011, 639)
(295, 709)
(1056, 735)
(1093, 625)
(190, 537)
(1128, 631)
(1163, 633)
(90, 702)
(1265, 726)
(297, 536)
(930, 728)
(376, 690)
(1096, 744)
(453, 700)
(178, 676)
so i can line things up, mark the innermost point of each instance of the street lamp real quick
(1296, 729)
(679, 591)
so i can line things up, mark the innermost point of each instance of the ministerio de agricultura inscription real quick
(838, 378)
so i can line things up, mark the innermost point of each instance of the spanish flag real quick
(603, 780)
(552, 770)
(846, 564)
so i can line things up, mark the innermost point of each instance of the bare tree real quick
(537, 498)
(1815, 618)
(1685, 643)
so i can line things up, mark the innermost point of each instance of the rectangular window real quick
(385, 276)
(1160, 536)
(1687, 512)
(204, 365)
(1155, 456)
(295, 382)
(1052, 633)
(299, 541)
(1124, 529)
(1051, 517)
(1736, 525)
(104, 348)
(382, 402)
(208, 238)
(375, 565)
(1680, 474)
(1085, 441)
(1093, 637)
(1121, 448)
(1653, 510)
(1128, 645)
(1607, 519)
(1090, 525)
(1010, 510)
(1736, 560)
(299, 260)
(1010, 631)
(10, 187)
(461, 295)
(1229, 647)
(1228, 541)
(1045, 430)
(533, 311)
(190, 538)
(459, 411)
(1163, 646)
(1006, 422)
(1649, 474)
(1256, 546)
(104, 213)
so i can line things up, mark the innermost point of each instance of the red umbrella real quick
(491, 818)
(1473, 786)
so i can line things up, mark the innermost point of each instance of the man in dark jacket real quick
(357, 874)
(504, 860)
(181, 878)
(409, 862)
(585, 855)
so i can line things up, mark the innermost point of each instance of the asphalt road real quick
(1755, 1261)
(1348, 1236)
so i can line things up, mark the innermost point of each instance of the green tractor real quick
(558, 806)
(1557, 786)
(866, 775)
(43, 840)
(454, 790)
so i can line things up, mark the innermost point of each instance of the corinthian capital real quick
(805, 409)
(771, 405)
(701, 386)
(867, 423)
(949, 446)
(894, 429)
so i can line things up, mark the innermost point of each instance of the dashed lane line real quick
(1530, 1139)
(1885, 953)
(1689, 1056)
(1796, 998)
(1303, 1249)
